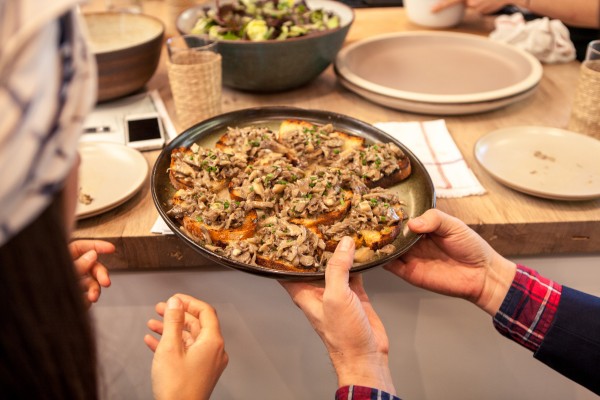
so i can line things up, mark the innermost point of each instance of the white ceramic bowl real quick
(419, 12)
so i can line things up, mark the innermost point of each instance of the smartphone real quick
(144, 131)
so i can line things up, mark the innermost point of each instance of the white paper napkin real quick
(548, 40)
(433, 145)
(161, 227)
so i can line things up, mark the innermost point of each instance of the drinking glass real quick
(194, 69)
(585, 111)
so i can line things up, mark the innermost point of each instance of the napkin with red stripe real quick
(433, 145)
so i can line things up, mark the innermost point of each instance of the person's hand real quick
(190, 357)
(481, 6)
(93, 274)
(346, 322)
(453, 260)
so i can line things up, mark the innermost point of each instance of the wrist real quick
(497, 283)
(371, 370)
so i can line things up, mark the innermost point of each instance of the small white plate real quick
(542, 161)
(110, 174)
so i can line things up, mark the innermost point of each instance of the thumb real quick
(173, 322)
(338, 267)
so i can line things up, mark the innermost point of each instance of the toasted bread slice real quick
(315, 145)
(335, 214)
(373, 239)
(378, 165)
(282, 265)
(202, 232)
(181, 174)
(288, 246)
(403, 172)
(256, 144)
(209, 168)
(374, 221)
(289, 127)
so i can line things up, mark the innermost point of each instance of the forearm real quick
(370, 371)
(580, 13)
(499, 278)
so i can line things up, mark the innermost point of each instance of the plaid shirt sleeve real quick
(528, 309)
(353, 392)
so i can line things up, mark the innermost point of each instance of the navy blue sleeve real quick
(572, 345)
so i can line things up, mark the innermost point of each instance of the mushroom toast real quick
(284, 199)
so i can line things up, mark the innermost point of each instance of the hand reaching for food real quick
(92, 273)
(190, 356)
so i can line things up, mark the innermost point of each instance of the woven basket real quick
(585, 113)
(195, 79)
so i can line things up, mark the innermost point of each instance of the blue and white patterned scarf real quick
(47, 86)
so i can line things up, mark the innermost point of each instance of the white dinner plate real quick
(110, 174)
(546, 162)
(435, 108)
(438, 67)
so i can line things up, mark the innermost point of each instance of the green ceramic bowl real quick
(272, 66)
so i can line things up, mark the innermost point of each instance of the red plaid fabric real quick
(362, 393)
(528, 309)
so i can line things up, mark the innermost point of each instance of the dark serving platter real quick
(417, 191)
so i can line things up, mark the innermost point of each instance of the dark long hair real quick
(47, 349)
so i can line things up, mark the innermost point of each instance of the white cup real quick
(419, 12)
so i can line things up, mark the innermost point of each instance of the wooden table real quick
(514, 223)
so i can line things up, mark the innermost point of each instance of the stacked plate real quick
(443, 73)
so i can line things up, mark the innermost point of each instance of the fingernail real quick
(345, 243)
(173, 303)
